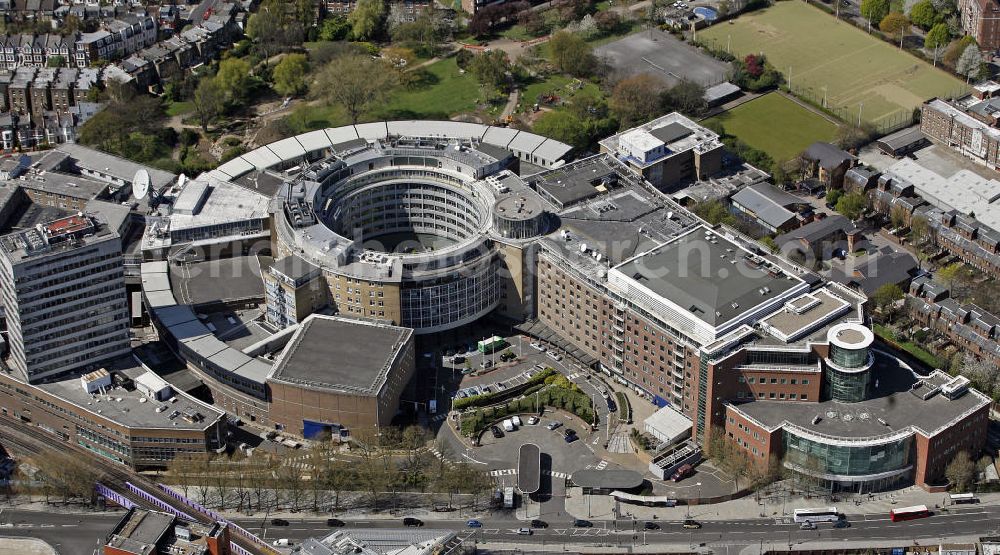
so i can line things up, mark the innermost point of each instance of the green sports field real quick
(776, 125)
(824, 53)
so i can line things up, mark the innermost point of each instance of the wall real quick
(934, 453)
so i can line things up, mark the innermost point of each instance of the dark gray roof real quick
(902, 139)
(882, 269)
(827, 155)
(671, 132)
(353, 356)
(768, 203)
(528, 468)
(817, 230)
(607, 479)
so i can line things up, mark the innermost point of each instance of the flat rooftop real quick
(707, 275)
(578, 181)
(140, 531)
(677, 132)
(62, 235)
(132, 408)
(805, 314)
(224, 279)
(341, 354)
(891, 401)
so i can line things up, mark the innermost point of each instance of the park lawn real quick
(559, 86)
(179, 108)
(776, 125)
(858, 72)
(446, 93)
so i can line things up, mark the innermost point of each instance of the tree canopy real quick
(923, 15)
(290, 75)
(630, 99)
(572, 54)
(562, 126)
(894, 23)
(356, 82)
(874, 10)
(368, 19)
(937, 37)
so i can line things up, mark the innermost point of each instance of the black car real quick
(410, 521)
(841, 524)
(650, 526)
(334, 522)
(569, 432)
(539, 524)
(580, 523)
(497, 432)
(612, 407)
(279, 522)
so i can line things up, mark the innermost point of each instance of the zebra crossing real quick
(438, 454)
(504, 472)
(556, 474)
(439, 417)
(620, 443)
(602, 465)
(513, 471)
(573, 376)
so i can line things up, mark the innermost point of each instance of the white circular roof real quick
(850, 336)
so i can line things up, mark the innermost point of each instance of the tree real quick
(937, 39)
(687, 97)
(572, 54)
(852, 205)
(56, 61)
(368, 19)
(278, 25)
(970, 62)
(950, 273)
(895, 23)
(491, 69)
(769, 242)
(729, 457)
(290, 75)
(209, 101)
(886, 295)
(961, 471)
(234, 78)
(897, 217)
(922, 14)
(356, 82)
(562, 126)
(630, 99)
(335, 27)
(874, 10)
(957, 48)
(833, 196)
(607, 21)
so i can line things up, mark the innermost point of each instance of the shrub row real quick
(502, 395)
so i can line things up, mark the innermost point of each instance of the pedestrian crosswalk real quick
(620, 443)
(573, 376)
(438, 454)
(602, 465)
(504, 472)
(513, 471)
(556, 474)
(439, 417)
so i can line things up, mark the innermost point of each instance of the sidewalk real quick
(602, 506)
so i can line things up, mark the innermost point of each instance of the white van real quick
(508, 425)
(516, 420)
(283, 542)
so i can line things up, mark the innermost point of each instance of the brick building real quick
(981, 19)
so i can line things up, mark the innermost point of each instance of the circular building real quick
(848, 376)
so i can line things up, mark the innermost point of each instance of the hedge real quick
(576, 402)
(624, 408)
(502, 395)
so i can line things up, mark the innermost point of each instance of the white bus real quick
(960, 498)
(828, 514)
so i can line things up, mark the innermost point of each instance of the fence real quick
(157, 502)
(214, 515)
(113, 495)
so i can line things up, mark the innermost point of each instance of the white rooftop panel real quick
(173, 315)
(287, 149)
(314, 140)
(157, 267)
(216, 174)
(207, 346)
(255, 370)
(499, 136)
(526, 142)
(189, 331)
(157, 299)
(447, 129)
(374, 130)
(552, 150)
(236, 167)
(339, 135)
(261, 158)
(155, 282)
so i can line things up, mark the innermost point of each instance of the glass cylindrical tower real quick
(848, 368)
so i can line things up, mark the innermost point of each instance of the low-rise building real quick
(827, 163)
(669, 151)
(773, 210)
(143, 532)
(968, 327)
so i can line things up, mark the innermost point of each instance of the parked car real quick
(842, 524)
(571, 438)
(524, 531)
(554, 356)
(532, 420)
(457, 359)
(497, 432)
(537, 346)
(516, 420)
(279, 522)
(539, 524)
(553, 425)
(410, 521)
(691, 524)
(612, 406)
(650, 526)
(580, 523)
(474, 524)
(283, 542)
(334, 522)
(807, 525)
(683, 472)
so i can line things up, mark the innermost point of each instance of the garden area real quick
(547, 388)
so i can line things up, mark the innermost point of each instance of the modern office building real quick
(64, 296)
(668, 152)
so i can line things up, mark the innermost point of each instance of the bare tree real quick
(289, 480)
(356, 82)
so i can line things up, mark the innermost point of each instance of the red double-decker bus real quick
(909, 513)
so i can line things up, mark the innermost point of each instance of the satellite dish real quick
(140, 184)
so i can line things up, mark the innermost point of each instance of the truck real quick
(487, 346)
(508, 497)
(508, 425)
